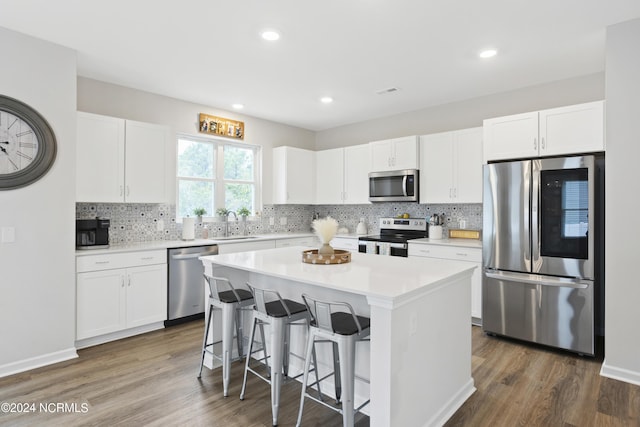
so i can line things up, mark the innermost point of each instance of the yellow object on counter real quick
(464, 234)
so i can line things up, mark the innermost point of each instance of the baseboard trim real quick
(453, 405)
(37, 362)
(620, 374)
(101, 339)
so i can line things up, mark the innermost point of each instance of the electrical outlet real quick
(272, 221)
(8, 234)
(283, 220)
(160, 225)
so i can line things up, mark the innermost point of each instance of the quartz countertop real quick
(170, 244)
(463, 243)
(376, 276)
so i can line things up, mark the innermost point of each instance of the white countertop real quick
(463, 243)
(376, 276)
(170, 244)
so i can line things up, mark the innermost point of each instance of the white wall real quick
(622, 301)
(118, 101)
(466, 114)
(37, 280)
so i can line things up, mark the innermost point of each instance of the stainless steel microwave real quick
(394, 186)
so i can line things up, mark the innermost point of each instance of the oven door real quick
(383, 248)
(563, 216)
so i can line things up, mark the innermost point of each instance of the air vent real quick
(387, 90)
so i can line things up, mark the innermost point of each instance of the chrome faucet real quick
(226, 230)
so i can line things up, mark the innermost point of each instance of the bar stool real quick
(344, 329)
(230, 302)
(280, 314)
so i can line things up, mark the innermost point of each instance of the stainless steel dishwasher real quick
(186, 284)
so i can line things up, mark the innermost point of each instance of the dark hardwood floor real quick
(151, 380)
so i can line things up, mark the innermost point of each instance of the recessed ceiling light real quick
(270, 35)
(326, 100)
(238, 106)
(489, 53)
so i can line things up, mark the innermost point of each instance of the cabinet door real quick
(145, 161)
(146, 295)
(294, 176)
(476, 292)
(381, 156)
(405, 153)
(572, 129)
(99, 158)
(468, 166)
(356, 174)
(436, 173)
(310, 241)
(100, 303)
(330, 176)
(229, 248)
(511, 137)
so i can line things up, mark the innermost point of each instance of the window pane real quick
(195, 159)
(195, 194)
(238, 163)
(239, 196)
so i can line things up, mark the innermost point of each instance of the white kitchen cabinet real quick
(558, 131)
(348, 180)
(294, 176)
(120, 160)
(247, 245)
(394, 154)
(451, 167)
(115, 292)
(347, 243)
(309, 241)
(457, 253)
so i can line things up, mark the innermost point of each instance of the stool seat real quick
(229, 297)
(344, 324)
(277, 309)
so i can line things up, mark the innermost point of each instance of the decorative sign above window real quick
(220, 126)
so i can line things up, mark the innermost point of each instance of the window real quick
(214, 174)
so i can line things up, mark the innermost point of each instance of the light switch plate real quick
(272, 221)
(283, 220)
(8, 234)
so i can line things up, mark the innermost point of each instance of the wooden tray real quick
(339, 256)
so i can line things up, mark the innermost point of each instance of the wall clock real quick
(27, 144)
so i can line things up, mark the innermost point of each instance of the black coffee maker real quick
(92, 233)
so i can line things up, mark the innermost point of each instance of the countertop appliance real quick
(394, 186)
(394, 236)
(186, 283)
(92, 233)
(543, 250)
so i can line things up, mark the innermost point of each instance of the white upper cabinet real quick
(342, 175)
(120, 160)
(451, 167)
(394, 154)
(294, 176)
(558, 131)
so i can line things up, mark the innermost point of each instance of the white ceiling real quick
(210, 52)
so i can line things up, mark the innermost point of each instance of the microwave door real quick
(506, 216)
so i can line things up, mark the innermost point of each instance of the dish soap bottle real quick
(361, 229)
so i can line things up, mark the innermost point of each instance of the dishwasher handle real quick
(196, 255)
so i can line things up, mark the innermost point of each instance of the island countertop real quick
(373, 276)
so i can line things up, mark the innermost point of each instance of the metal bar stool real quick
(343, 329)
(280, 314)
(230, 302)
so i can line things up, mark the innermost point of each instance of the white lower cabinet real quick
(120, 291)
(457, 253)
(345, 243)
(310, 241)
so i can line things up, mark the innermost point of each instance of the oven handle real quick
(391, 245)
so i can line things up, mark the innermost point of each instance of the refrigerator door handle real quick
(535, 279)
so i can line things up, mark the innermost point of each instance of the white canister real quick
(188, 228)
(435, 232)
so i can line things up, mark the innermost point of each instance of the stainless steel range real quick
(394, 236)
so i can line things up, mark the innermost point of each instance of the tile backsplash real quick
(134, 222)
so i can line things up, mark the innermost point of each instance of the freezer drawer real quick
(543, 309)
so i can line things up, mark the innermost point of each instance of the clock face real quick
(18, 143)
(27, 144)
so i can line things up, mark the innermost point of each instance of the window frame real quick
(218, 179)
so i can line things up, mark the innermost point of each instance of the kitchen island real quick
(419, 358)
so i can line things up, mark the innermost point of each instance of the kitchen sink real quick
(235, 238)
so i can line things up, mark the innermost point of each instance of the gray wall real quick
(622, 304)
(37, 271)
(466, 114)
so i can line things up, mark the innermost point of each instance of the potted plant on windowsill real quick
(222, 213)
(243, 213)
(199, 212)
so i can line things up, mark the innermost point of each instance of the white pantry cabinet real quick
(394, 154)
(120, 291)
(456, 253)
(293, 176)
(558, 131)
(451, 167)
(342, 175)
(120, 160)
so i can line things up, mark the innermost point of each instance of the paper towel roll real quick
(435, 232)
(188, 228)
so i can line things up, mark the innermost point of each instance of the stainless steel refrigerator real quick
(541, 251)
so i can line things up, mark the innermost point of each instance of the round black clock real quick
(27, 144)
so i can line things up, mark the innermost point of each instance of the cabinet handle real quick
(127, 191)
(543, 146)
(146, 258)
(129, 281)
(461, 254)
(424, 251)
(121, 190)
(455, 193)
(122, 281)
(102, 262)
(535, 143)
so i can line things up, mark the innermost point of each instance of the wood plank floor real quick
(151, 380)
